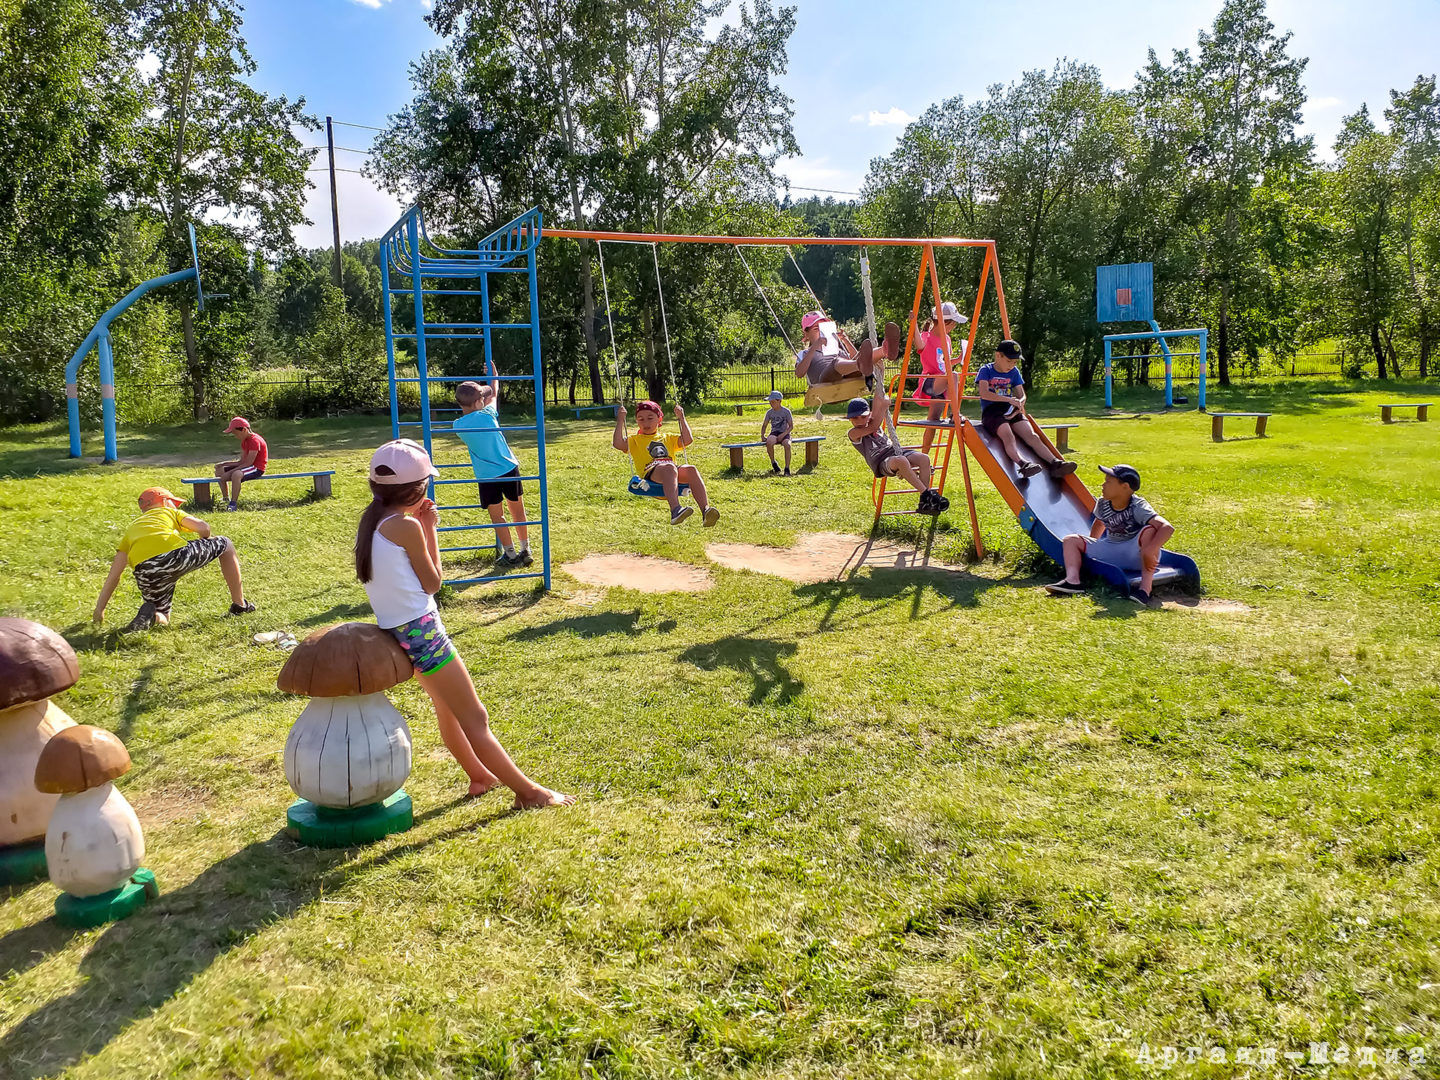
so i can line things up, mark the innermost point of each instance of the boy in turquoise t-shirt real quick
(496, 468)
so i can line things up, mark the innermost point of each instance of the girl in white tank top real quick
(397, 558)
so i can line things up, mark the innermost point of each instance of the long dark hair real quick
(384, 499)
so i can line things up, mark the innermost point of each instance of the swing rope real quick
(819, 306)
(665, 326)
(610, 322)
(765, 299)
(875, 338)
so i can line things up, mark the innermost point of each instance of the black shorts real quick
(993, 422)
(494, 492)
(156, 577)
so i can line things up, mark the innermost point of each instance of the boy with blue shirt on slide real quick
(1001, 387)
(496, 468)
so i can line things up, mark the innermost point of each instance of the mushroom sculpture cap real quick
(35, 663)
(348, 660)
(80, 758)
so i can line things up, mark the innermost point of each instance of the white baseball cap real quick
(950, 313)
(404, 462)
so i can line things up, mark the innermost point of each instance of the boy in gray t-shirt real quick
(781, 423)
(1127, 533)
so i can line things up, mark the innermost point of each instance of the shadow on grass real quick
(758, 658)
(137, 965)
(586, 626)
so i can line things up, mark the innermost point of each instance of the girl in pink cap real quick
(397, 558)
(822, 360)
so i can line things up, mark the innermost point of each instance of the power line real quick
(826, 190)
(367, 127)
(347, 149)
(357, 172)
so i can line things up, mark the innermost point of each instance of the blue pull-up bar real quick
(1162, 337)
(99, 338)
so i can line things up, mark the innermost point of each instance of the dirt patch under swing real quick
(643, 573)
(819, 557)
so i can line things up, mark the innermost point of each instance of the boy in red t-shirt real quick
(254, 455)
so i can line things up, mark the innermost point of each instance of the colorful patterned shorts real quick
(425, 642)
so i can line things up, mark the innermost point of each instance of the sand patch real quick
(643, 573)
(1206, 606)
(823, 557)
(173, 802)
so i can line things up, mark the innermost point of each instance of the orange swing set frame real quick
(901, 389)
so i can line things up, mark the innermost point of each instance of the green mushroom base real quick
(322, 826)
(85, 912)
(21, 864)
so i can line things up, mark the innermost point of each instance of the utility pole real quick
(334, 199)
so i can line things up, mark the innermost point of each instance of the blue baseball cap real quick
(858, 407)
(776, 395)
(1126, 474)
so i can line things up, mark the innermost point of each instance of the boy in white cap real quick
(1127, 533)
(781, 424)
(250, 465)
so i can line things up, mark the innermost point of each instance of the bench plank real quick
(1062, 435)
(320, 479)
(1422, 410)
(812, 450)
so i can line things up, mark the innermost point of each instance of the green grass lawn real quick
(906, 824)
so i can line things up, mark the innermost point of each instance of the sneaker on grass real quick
(241, 609)
(1140, 596)
(1064, 588)
(144, 618)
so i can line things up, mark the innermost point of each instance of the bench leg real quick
(1385, 415)
(1062, 440)
(812, 453)
(737, 458)
(1217, 428)
(202, 497)
(322, 487)
(739, 410)
(1260, 425)
(1422, 413)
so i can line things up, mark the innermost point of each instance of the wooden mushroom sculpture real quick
(93, 845)
(35, 664)
(348, 754)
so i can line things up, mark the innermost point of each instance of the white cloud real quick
(377, 4)
(894, 117)
(1323, 103)
(818, 173)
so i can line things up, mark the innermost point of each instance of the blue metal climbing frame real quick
(414, 267)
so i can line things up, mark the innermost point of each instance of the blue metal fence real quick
(407, 254)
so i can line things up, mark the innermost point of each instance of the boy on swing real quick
(653, 454)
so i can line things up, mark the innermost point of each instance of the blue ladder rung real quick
(511, 427)
(493, 577)
(469, 378)
(483, 525)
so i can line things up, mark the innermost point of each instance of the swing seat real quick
(830, 393)
(650, 489)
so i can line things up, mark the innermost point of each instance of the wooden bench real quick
(202, 484)
(812, 450)
(593, 408)
(1422, 410)
(741, 406)
(1217, 423)
(1062, 434)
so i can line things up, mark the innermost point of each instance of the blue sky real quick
(858, 71)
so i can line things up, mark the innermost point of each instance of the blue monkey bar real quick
(408, 253)
(99, 339)
(1163, 337)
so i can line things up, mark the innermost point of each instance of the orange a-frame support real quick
(950, 420)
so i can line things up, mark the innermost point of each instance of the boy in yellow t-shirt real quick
(654, 456)
(159, 555)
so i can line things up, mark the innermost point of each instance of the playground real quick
(908, 814)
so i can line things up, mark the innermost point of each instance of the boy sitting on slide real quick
(654, 456)
(1127, 533)
(1002, 388)
(820, 361)
(885, 457)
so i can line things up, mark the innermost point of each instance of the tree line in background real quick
(123, 120)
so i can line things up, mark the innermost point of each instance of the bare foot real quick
(482, 787)
(161, 620)
(541, 797)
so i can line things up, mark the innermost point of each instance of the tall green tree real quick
(1414, 117)
(1240, 97)
(212, 147)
